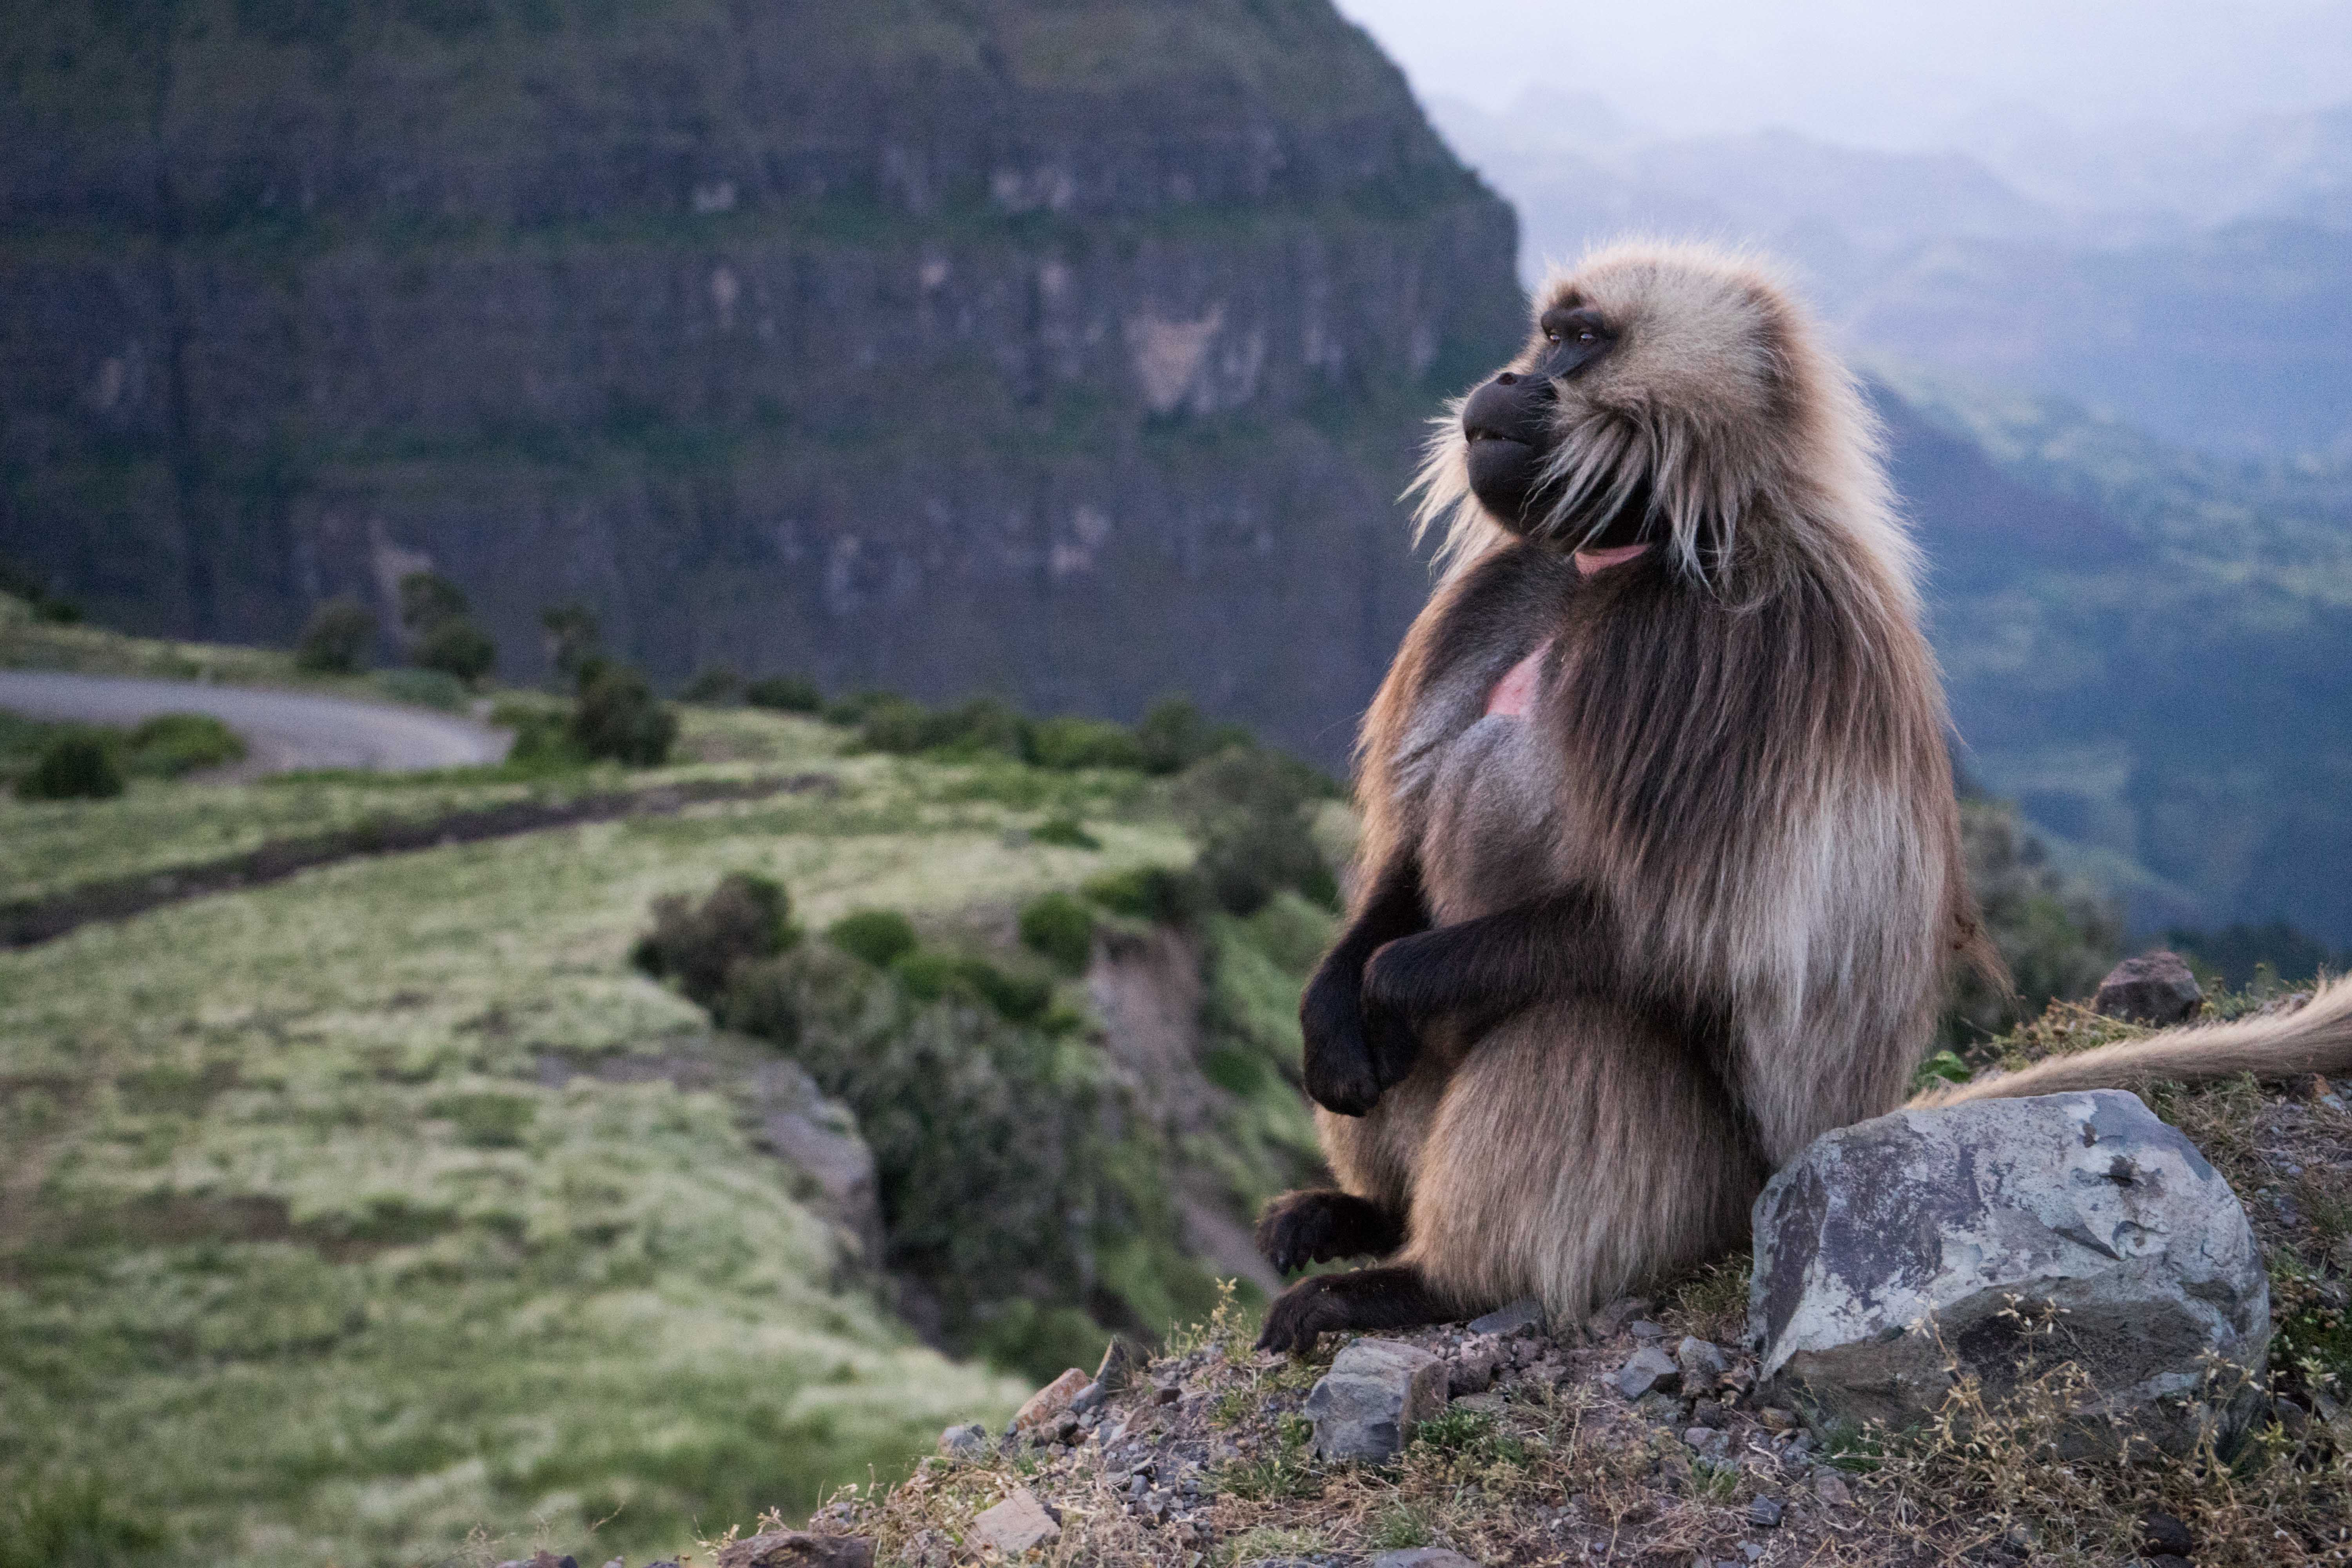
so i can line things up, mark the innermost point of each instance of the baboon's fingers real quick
(1320, 1224)
(1338, 1064)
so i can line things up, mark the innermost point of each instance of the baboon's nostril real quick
(1507, 378)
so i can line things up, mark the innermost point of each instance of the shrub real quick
(458, 648)
(170, 744)
(785, 694)
(1065, 832)
(878, 937)
(1247, 810)
(1175, 734)
(1061, 927)
(617, 716)
(850, 711)
(1072, 743)
(714, 687)
(336, 638)
(1158, 893)
(428, 599)
(927, 975)
(78, 765)
(542, 738)
(981, 726)
(744, 919)
(575, 642)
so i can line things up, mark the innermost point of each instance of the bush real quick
(1160, 893)
(170, 744)
(785, 694)
(426, 688)
(744, 919)
(878, 937)
(542, 738)
(617, 716)
(575, 643)
(1061, 927)
(928, 975)
(852, 711)
(458, 648)
(715, 687)
(1175, 734)
(979, 727)
(1065, 832)
(336, 638)
(78, 765)
(1247, 810)
(428, 599)
(1071, 742)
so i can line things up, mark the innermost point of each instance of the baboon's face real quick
(1510, 424)
(1639, 363)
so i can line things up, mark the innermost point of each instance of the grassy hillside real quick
(341, 1216)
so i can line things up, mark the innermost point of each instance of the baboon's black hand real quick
(1391, 1006)
(1339, 1060)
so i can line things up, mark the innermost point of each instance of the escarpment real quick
(1074, 353)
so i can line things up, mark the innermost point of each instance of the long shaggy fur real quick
(1736, 753)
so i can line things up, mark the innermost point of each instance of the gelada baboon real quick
(1661, 873)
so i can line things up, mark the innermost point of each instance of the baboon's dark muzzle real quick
(1507, 424)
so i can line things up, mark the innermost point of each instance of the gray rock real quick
(1831, 1488)
(1893, 1254)
(1423, 1557)
(1605, 1322)
(819, 1137)
(1120, 1365)
(2156, 988)
(1087, 1399)
(1702, 1364)
(1650, 1371)
(1471, 1370)
(1645, 1330)
(969, 1441)
(1376, 1392)
(798, 1549)
(1524, 1316)
(1765, 1512)
(1016, 1524)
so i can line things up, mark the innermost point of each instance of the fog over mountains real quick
(2196, 283)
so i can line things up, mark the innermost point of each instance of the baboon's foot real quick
(1390, 1298)
(1320, 1224)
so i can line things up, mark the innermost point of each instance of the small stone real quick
(1066, 1430)
(1088, 1397)
(1045, 1406)
(1491, 1403)
(1776, 1419)
(1649, 1370)
(1524, 1316)
(1423, 1557)
(1708, 1441)
(1764, 1513)
(969, 1441)
(1645, 1330)
(1016, 1524)
(1605, 1322)
(1702, 1364)
(1166, 1394)
(1710, 1413)
(1473, 1370)
(798, 1549)
(1376, 1392)
(2156, 988)
(1831, 1488)
(616, 1562)
(2159, 1533)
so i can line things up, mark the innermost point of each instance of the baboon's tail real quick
(2314, 1038)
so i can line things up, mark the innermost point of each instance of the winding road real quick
(283, 730)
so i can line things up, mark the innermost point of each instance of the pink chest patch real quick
(1516, 692)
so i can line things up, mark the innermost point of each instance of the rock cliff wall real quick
(1071, 352)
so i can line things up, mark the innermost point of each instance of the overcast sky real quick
(1879, 72)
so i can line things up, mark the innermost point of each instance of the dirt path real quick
(283, 730)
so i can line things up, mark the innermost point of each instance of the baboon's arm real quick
(1567, 945)
(1348, 1066)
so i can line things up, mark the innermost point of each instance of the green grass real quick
(302, 1258)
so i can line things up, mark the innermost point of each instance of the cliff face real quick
(1070, 352)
